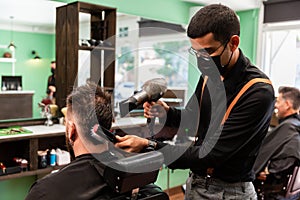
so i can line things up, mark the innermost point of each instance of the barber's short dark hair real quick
(53, 61)
(217, 19)
(90, 105)
(292, 94)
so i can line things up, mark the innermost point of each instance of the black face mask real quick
(207, 67)
(217, 60)
(52, 70)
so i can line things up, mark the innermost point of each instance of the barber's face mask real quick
(207, 67)
(52, 70)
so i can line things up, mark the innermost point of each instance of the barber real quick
(222, 157)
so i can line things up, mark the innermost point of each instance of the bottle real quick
(3, 86)
(53, 157)
(19, 88)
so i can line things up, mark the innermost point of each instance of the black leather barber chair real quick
(133, 177)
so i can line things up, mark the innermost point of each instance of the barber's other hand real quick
(155, 109)
(131, 143)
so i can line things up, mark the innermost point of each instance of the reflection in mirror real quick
(84, 57)
(84, 69)
(148, 49)
(28, 33)
(131, 53)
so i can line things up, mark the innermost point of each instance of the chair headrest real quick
(132, 172)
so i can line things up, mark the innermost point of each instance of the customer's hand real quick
(155, 109)
(131, 143)
(262, 176)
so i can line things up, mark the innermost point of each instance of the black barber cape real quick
(281, 146)
(81, 179)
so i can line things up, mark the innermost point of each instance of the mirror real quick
(127, 58)
(28, 33)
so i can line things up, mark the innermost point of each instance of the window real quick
(143, 58)
(123, 31)
(281, 53)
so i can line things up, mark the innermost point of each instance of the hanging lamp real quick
(11, 45)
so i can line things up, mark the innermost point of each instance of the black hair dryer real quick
(152, 90)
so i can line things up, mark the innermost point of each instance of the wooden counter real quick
(49, 137)
(26, 146)
(15, 104)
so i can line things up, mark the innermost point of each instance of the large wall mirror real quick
(19, 24)
(142, 53)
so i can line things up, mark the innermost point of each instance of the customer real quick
(51, 86)
(280, 150)
(87, 106)
(222, 157)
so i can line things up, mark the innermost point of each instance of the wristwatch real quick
(151, 144)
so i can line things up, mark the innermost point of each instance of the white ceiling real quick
(39, 15)
(28, 15)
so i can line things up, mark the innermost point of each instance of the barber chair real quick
(286, 184)
(133, 177)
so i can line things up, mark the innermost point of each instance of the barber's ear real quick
(234, 42)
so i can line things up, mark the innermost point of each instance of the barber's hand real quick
(155, 109)
(131, 143)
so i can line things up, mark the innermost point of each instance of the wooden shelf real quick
(30, 173)
(38, 131)
(102, 57)
(26, 146)
(8, 60)
(96, 48)
(11, 60)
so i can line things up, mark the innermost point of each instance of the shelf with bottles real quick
(26, 146)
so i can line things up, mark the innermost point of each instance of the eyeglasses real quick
(204, 53)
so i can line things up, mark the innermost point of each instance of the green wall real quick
(15, 189)
(34, 74)
(249, 31)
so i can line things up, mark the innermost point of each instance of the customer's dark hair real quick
(292, 94)
(90, 105)
(217, 19)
